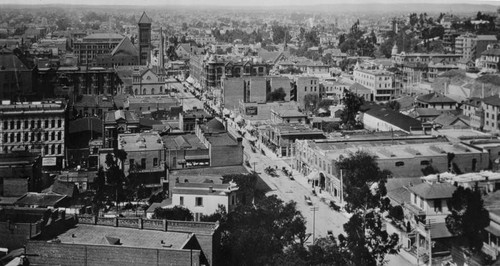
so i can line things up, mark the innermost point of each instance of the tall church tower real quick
(144, 39)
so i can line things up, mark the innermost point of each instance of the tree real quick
(393, 105)
(257, 234)
(178, 213)
(468, 217)
(311, 102)
(246, 185)
(352, 104)
(219, 214)
(278, 94)
(364, 192)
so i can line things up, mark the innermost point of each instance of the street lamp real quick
(314, 209)
(341, 186)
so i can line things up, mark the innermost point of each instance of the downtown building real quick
(379, 82)
(403, 155)
(208, 71)
(34, 126)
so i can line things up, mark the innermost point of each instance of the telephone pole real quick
(314, 210)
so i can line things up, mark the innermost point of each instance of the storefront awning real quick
(197, 157)
(493, 228)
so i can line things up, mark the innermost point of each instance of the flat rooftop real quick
(184, 141)
(402, 151)
(99, 235)
(140, 141)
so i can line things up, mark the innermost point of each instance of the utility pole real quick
(314, 210)
(341, 186)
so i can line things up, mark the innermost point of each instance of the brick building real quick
(88, 48)
(145, 157)
(379, 82)
(304, 86)
(208, 70)
(33, 126)
(118, 122)
(16, 79)
(144, 39)
(253, 89)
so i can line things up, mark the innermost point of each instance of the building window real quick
(53, 137)
(5, 124)
(53, 123)
(18, 124)
(421, 203)
(26, 123)
(181, 201)
(46, 136)
(424, 162)
(18, 137)
(11, 124)
(400, 163)
(59, 149)
(155, 162)
(46, 123)
(5, 137)
(32, 124)
(59, 123)
(39, 123)
(437, 205)
(198, 201)
(59, 135)
(143, 163)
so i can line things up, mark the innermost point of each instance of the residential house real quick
(436, 100)
(205, 198)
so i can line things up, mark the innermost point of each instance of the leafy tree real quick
(178, 213)
(278, 94)
(311, 102)
(246, 185)
(218, 215)
(364, 191)
(468, 217)
(257, 234)
(393, 105)
(352, 104)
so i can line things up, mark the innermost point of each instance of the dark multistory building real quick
(144, 39)
(16, 79)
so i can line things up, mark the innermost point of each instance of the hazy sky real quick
(236, 2)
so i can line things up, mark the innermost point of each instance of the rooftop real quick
(395, 118)
(113, 116)
(39, 199)
(433, 190)
(435, 98)
(99, 36)
(140, 141)
(184, 141)
(107, 235)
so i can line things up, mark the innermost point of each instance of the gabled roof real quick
(39, 199)
(126, 47)
(427, 112)
(62, 188)
(394, 118)
(448, 119)
(358, 87)
(145, 19)
(492, 100)
(435, 98)
(433, 191)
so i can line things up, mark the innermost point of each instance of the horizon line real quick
(491, 3)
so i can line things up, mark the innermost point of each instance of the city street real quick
(187, 99)
(320, 218)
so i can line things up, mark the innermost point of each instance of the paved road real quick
(188, 100)
(321, 221)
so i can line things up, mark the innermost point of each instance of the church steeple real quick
(394, 49)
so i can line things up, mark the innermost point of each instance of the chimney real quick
(211, 189)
